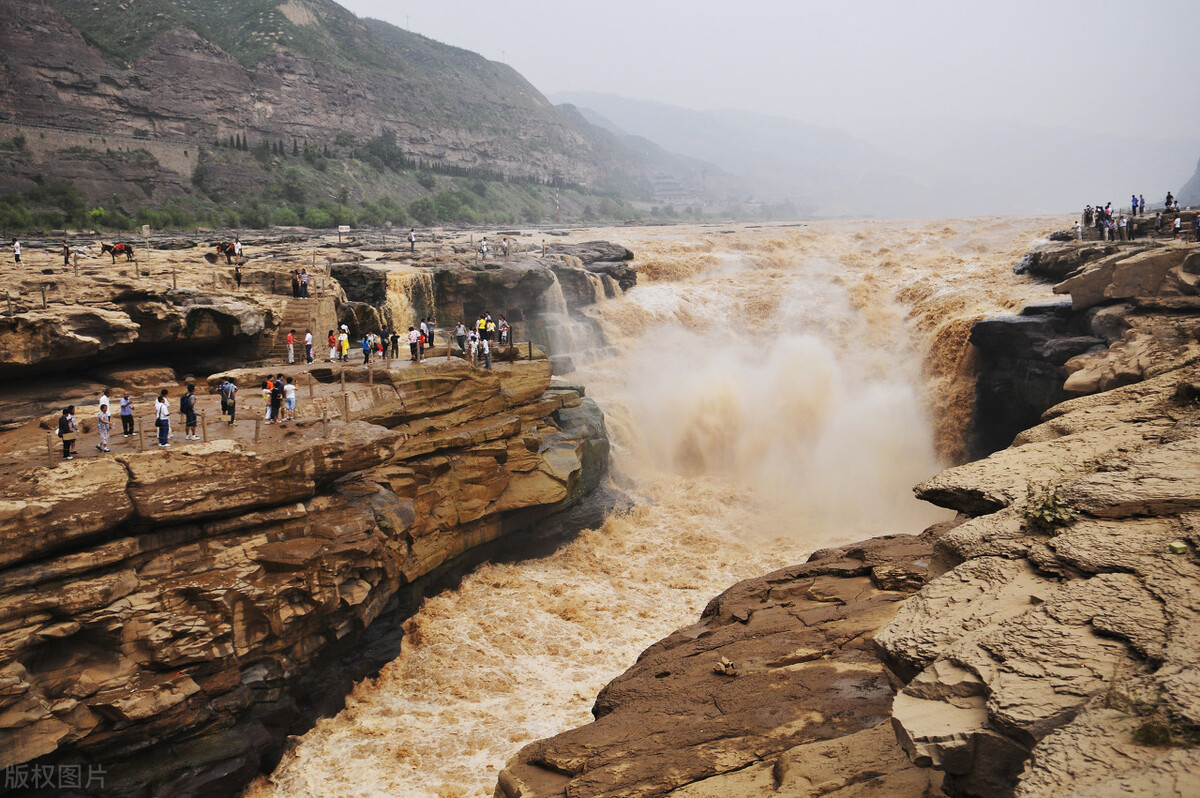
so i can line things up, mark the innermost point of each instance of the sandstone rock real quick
(137, 378)
(61, 336)
(63, 506)
(671, 724)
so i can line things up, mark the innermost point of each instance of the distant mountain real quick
(666, 178)
(1190, 193)
(909, 167)
(820, 168)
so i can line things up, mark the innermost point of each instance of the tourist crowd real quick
(475, 343)
(1123, 228)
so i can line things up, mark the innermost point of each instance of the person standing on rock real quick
(237, 250)
(237, 276)
(460, 335)
(16, 247)
(412, 239)
(187, 406)
(366, 348)
(1176, 226)
(395, 344)
(1078, 231)
(430, 326)
(503, 328)
(228, 393)
(295, 284)
(276, 399)
(291, 346)
(487, 354)
(304, 278)
(543, 247)
(308, 346)
(162, 419)
(414, 339)
(64, 431)
(66, 253)
(474, 346)
(103, 427)
(126, 414)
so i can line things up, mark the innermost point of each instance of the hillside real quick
(255, 112)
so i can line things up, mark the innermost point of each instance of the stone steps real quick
(298, 315)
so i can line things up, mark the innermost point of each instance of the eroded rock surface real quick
(1049, 648)
(1059, 656)
(800, 691)
(175, 615)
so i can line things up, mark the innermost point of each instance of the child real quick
(266, 394)
(289, 400)
(104, 427)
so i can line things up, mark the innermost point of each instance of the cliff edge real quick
(1040, 645)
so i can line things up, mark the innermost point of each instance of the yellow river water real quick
(774, 389)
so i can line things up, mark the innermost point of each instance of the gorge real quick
(768, 392)
(734, 343)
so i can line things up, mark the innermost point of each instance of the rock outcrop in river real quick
(1048, 651)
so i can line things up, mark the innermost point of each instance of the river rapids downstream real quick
(769, 390)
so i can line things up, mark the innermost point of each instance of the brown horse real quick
(119, 248)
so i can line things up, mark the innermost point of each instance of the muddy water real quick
(773, 390)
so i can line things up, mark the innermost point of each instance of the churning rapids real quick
(772, 390)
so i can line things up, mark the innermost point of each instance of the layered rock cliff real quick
(172, 616)
(169, 617)
(1047, 649)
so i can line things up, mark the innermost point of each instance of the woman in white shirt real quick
(162, 418)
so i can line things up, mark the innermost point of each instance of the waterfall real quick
(767, 392)
(410, 298)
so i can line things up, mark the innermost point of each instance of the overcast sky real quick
(1130, 67)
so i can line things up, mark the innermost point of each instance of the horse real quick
(119, 248)
(226, 249)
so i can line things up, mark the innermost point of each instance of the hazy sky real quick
(1130, 67)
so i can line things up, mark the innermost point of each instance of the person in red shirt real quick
(291, 343)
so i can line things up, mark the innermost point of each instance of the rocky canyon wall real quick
(1039, 645)
(172, 617)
